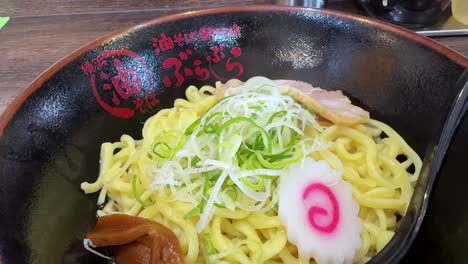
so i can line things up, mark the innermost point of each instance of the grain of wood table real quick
(41, 32)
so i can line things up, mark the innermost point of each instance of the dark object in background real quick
(50, 135)
(408, 13)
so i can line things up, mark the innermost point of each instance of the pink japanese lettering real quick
(176, 65)
(155, 42)
(220, 32)
(127, 81)
(234, 69)
(165, 43)
(138, 102)
(190, 37)
(236, 52)
(88, 68)
(179, 39)
(151, 100)
(201, 72)
(221, 62)
(235, 30)
(218, 54)
(119, 78)
(205, 33)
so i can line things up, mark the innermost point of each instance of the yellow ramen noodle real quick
(366, 153)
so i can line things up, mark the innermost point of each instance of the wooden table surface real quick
(41, 32)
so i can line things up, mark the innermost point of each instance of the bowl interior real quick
(51, 144)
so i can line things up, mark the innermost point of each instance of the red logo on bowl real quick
(220, 62)
(121, 83)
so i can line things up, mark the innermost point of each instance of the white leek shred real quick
(267, 172)
(88, 245)
(206, 215)
(257, 196)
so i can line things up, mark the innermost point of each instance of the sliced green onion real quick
(258, 145)
(164, 152)
(219, 205)
(280, 157)
(267, 177)
(191, 213)
(137, 196)
(210, 249)
(251, 162)
(255, 107)
(213, 116)
(204, 198)
(202, 204)
(227, 150)
(240, 119)
(274, 115)
(192, 127)
(234, 190)
(197, 122)
(291, 144)
(280, 164)
(194, 161)
(210, 129)
(166, 146)
(252, 186)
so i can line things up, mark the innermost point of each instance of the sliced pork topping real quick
(331, 105)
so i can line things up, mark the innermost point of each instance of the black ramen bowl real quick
(50, 136)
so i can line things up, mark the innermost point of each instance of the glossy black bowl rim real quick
(13, 107)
